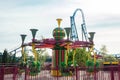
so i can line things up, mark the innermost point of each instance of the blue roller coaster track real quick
(74, 33)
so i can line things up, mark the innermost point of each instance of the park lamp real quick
(67, 30)
(23, 36)
(23, 39)
(91, 36)
(33, 31)
(59, 21)
(91, 49)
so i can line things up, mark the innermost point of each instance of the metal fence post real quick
(112, 73)
(26, 73)
(2, 72)
(95, 72)
(76, 73)
(119, 71)
(57, 72)
(15, 71)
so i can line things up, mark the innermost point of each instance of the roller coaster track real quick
(14, 50)
(74, 33)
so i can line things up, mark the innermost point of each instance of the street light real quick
(33, 31)
(67, 30)
(91, 36)
(59, 21)
(23, 36)
(91, 40)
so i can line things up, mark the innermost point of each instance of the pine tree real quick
(5, 56)
(0, 57)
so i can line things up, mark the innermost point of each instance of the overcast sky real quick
(18, 16)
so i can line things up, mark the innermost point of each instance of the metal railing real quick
(75, 73)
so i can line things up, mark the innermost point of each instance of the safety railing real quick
(75, 73)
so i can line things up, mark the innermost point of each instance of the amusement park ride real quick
(60, 46)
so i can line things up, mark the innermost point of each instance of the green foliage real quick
(63, 64)
(91, 65)
(8, 57)
(34, 68)
(81, 57)
(5, 57)
(0, 57)
(103, 50)
(42, 55)
(70, 56)
(22, 65)
(97, 64)
(70, 63)
(109, 58)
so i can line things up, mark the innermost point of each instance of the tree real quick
(13, 58)
(42, 55)
(8, 57)
(5, 56)
(82, 56)
(0, 57)
(103, 50)
(109, 58)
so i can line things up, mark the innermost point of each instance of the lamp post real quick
(67, 30)
(91, 36)
(33, 31)
(23, 36)
(91, 40)
(59, 21)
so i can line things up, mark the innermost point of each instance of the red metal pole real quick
(15, 72)
(57, 72)
(62, 56)
(94, 72)
(56, 54)
(26, 73)
(119, 71)
(2, 72)
(76, 73)
(112, 73)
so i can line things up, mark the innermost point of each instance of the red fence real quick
(103, 73)
(8, 72)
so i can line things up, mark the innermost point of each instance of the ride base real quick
(56, 73)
